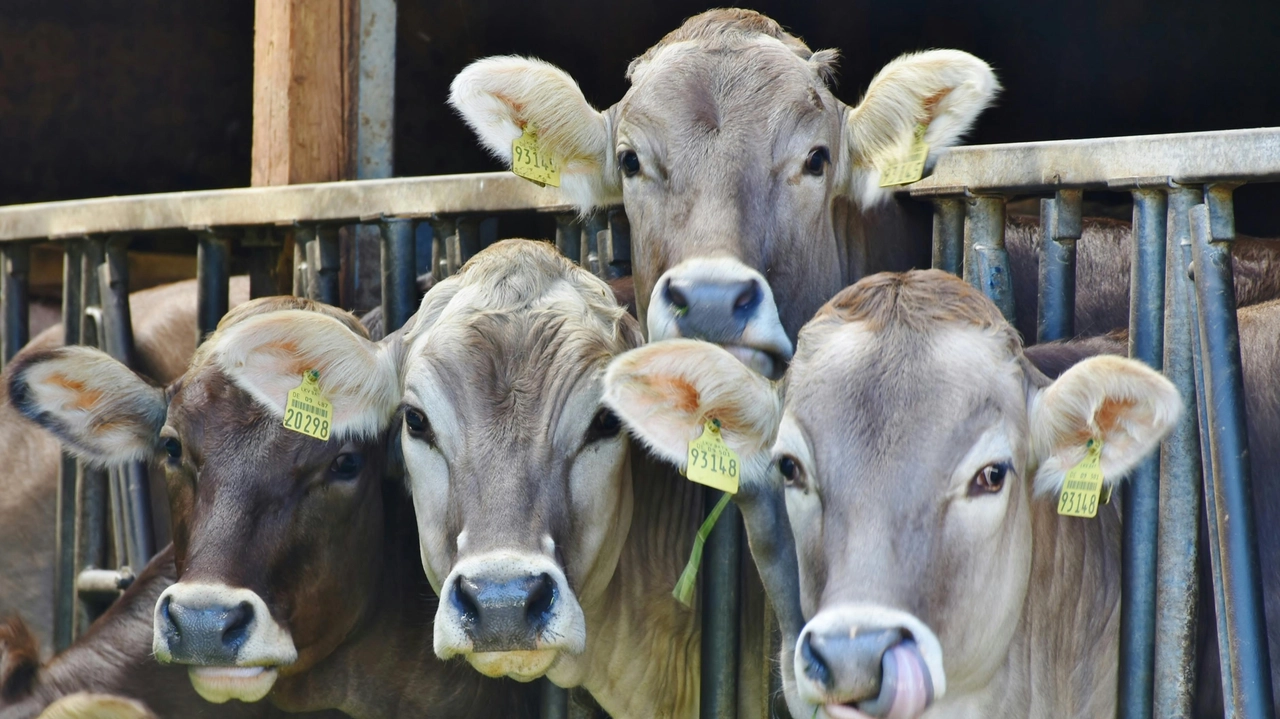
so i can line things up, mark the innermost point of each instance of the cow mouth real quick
(523, 666)
(766, 362)
(220, 684)
(905, 689)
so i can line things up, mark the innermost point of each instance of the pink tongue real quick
(912, 697)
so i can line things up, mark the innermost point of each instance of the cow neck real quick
(387, 665)
(643, 646)
(1070, 618)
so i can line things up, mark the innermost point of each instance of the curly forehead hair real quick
(920, 301)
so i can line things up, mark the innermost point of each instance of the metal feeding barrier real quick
(1182, 193)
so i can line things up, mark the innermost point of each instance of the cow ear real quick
(269, 354)
(943, 90)
(498, 96)
(666, 391)
(101, 409)
(1123, 403)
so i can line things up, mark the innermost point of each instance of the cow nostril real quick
(815, 665)
(542, 595)
(464, 600)
(169, 623)
(748, 297)
(676, 298)
(237, 624)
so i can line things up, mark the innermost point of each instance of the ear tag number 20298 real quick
(531, 161)
(306, 411)
(1082, 486)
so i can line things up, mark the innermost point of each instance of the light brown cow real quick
(164, 327)
(922, 456)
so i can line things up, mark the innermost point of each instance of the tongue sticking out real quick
(905, 688)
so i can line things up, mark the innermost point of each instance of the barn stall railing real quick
(1181, 187)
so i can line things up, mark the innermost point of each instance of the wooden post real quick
(304, 97)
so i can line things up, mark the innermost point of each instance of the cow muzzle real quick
(228, 637)
(509, 615)
(860, 664)
(721, 300)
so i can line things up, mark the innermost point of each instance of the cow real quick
(164, 328)
(921, 456)
(298, 568)
(753, 193)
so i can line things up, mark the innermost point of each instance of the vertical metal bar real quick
(91, 483)
(94, 249)
(948, 234)
(1142, 492)
(64, 559)
(442, 228)
(1060, 226)
(213, 283)
(986, 259)
(1213, 229)
(120, 533)
(399, 286)
(16, 259)
(264, 251)
(468, 239)
(1177, 549)
(589, 252)
(324, 255)
(620, 246)
(554, 701)
(720, 609)
(569, 235)
(303, 236)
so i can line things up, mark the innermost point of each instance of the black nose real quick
(209, 636)
(848, 667)
(713, 311)
(505, 615)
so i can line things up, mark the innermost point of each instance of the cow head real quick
(520, 478)
(915, 445)
(733, 159)
(276, 534)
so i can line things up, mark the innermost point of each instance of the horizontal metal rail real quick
(338, 202)
(1112, 162)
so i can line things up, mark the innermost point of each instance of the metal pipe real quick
(568, 235)
(721, 607)
(1141, 508)
(1060, 226)
(620, 245)
(554, 701)
(303, 236)
(94, 249)
(91, 531)
(468, 239)
(64, 558)
(324, 259)
(399, 286)
(1213, 229)
(589, 252)
(16, 260)
(1177, 548)
(948, 234)
(442, 228)
(213, 283)
(986, 259)
(121, 535)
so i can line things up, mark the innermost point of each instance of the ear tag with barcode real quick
(307, 411)
(530, 161)
(911, 168)
(1082, 486)
(711, 462)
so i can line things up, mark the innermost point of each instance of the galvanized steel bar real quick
(468, 238)
(1177, 549)
(1060, 227)
(589, 253)
(569, 235)
(16, 261)
(553, 700)
(620, 234)
(442, 228)
(399, 286)
(90, 531)
(721, 606)
(324, 255)
(213, 283)
(948, 234)
(303, 237)
(1141, 508)
(64, 558)
(1213, 229)
(986, 259)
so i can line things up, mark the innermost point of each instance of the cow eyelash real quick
(817, 161)
(990, 479)
(418, 426)
(792, 472)
(605, 425)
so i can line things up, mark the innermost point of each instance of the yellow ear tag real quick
(711, 462)
(307, 411)
(1082, 486)
(912, 168)
(530, 162)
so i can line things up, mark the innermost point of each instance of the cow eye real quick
(419, 427)
(817, 161)
(603, 426)
(347, 465)
(629, 161)
(173, 448)
(989, 479)
(791, 471)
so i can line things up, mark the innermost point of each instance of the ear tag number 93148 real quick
(532, 162)
(711, 462)
(1082, 486)
(307, 411)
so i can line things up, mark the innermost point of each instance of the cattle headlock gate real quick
(1182, 320)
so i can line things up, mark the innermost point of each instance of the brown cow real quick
(164, 327)
(752, 192)
(921, 456)
(297, 558)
